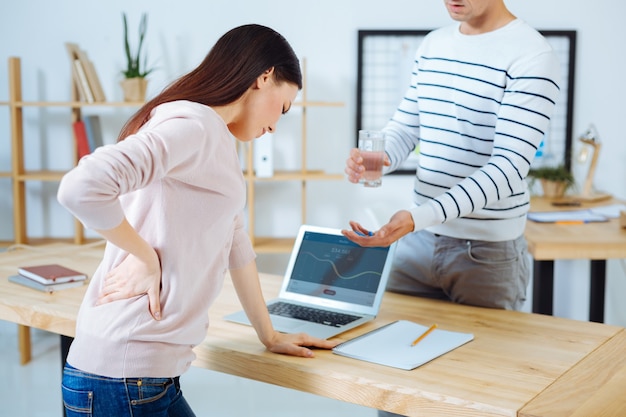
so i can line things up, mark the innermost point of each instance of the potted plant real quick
(555, 181)
(135, 83)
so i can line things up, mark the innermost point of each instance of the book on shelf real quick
(83, 84)
(51, 273)
(395, 344)
(94, 131)
(85, 75)
(92, 77)
(31, 283)
(80, 135)
(78, 88)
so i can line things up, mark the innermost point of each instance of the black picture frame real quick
(383, 70)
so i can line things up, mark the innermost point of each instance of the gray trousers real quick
(471, 272)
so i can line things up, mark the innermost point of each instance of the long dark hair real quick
(238, 58)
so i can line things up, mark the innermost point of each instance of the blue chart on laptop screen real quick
(333, 267)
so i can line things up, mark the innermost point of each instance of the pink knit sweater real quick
(178, 181)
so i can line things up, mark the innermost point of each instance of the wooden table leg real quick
(597, 283)
(543, 287)
(23, 343)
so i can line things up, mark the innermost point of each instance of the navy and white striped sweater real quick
(478, 106)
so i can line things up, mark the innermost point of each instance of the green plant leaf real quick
(135, 67)
(558, 173)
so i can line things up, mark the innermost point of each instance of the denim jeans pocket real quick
(77, 403)
(146, 390)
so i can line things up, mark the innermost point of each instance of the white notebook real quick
(391, 345)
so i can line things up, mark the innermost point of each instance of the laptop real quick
(331, 284)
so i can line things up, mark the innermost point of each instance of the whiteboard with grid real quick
(385, 61)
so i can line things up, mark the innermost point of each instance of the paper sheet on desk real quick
(584, 216)
(611, 211)
(390, 345)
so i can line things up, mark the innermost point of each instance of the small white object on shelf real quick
(264, 156)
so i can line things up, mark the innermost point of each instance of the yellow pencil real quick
(426, 333)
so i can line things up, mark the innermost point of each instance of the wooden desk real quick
(519, 363)
(574, 394)
(594, 241)
(56, 313)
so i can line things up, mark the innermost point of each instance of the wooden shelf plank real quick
(273, 244)
(297, 176)
(76, 104)
(40, 176)
(318, 104)
(38, 241)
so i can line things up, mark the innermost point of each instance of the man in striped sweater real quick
(479, 103)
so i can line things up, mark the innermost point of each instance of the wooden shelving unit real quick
(20, 176)
(4, 176)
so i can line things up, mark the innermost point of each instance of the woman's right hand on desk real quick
(296, 344)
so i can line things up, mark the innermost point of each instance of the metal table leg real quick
(543, 287)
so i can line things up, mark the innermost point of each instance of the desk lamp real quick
(590, 137)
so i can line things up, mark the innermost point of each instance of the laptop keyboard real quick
(314, 315)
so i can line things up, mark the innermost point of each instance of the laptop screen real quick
(335, 268)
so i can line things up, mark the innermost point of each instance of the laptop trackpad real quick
(287, 325)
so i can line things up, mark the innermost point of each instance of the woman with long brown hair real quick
(169, 199)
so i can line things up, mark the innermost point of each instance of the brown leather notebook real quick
(51, 273)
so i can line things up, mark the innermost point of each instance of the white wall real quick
(323, 31)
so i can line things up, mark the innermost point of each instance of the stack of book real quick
(87, 88)
(86, 80)
(49, 277)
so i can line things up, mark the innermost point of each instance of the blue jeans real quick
(89, 395)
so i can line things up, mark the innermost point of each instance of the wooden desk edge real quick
(40, 320)
(549, 241)
(361, 391)
(589, 388)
